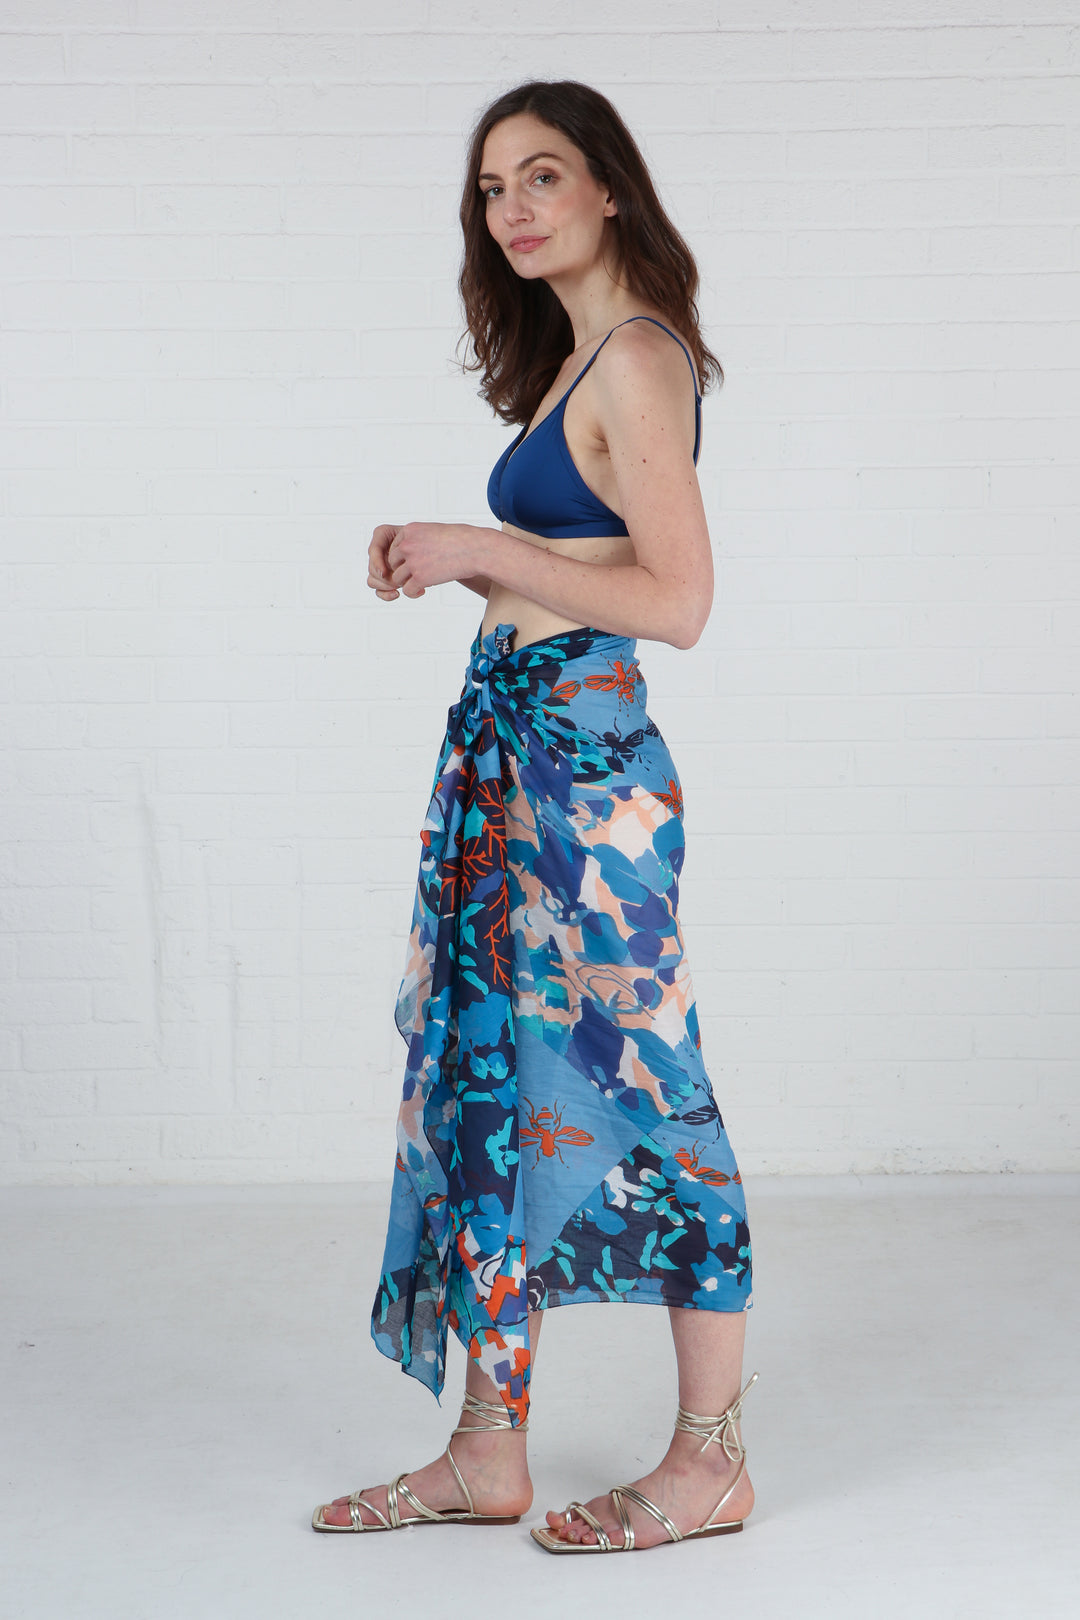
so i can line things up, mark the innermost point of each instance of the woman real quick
(558, 1137)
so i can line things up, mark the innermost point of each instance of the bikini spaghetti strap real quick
(671, 334)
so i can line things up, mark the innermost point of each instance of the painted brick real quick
(228, 352)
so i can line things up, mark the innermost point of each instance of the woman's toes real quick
(338, 1512)
(557, 1522)
(576, 1531)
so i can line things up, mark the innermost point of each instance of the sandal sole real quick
(553, 1544)
(406, 1524)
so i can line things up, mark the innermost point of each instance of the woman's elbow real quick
(690, 623)
(685, 638)
(679, 610)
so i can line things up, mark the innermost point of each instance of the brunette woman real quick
(558, 1138)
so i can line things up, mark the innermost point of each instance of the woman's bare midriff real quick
(533, 622)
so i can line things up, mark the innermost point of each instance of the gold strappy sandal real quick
(722, 1431)
(495, 1416)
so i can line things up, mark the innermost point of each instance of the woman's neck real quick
(595, 301)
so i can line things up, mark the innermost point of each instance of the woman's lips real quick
(526, 244)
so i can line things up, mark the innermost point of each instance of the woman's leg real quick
(492, 1461)
(709, 1352)
(689, 1482)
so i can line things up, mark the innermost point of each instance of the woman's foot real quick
(686, 1486)
(493, 1462)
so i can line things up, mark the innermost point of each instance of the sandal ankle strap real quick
(493, 1413)
(494, 1416)
(720, 1430)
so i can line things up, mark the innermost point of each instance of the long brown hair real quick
(519, 331)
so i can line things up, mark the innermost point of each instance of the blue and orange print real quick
(558, 1138)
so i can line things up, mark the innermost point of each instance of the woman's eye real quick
(488, 192)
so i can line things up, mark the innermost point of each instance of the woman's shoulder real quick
(647, 350)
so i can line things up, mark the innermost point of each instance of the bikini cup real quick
(536, 484)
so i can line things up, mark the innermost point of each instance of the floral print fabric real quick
(558, 1138)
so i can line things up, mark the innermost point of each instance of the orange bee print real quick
(547, 1131)
(563, 693)
(702, 1172)
(673, 798)
(623, 679)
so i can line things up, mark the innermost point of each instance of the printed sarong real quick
(558, 1138)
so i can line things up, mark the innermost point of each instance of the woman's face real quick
(544, 208)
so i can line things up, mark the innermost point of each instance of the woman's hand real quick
(405, 558)
(423, 554)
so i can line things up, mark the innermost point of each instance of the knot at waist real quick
(467, 715)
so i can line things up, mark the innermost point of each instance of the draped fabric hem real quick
(555, 1102)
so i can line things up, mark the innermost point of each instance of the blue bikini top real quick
(538, 487)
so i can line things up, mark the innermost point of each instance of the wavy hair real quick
(519, 332)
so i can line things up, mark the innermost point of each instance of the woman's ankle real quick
(685, 1452)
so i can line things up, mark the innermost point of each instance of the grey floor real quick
(185, 1373)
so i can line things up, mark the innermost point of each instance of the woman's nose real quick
(516, 209)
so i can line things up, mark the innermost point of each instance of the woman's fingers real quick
(401, 576)
(379, 573)
(378, 550)
(401, 579)
(384, 590)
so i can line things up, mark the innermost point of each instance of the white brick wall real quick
(226, 351)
